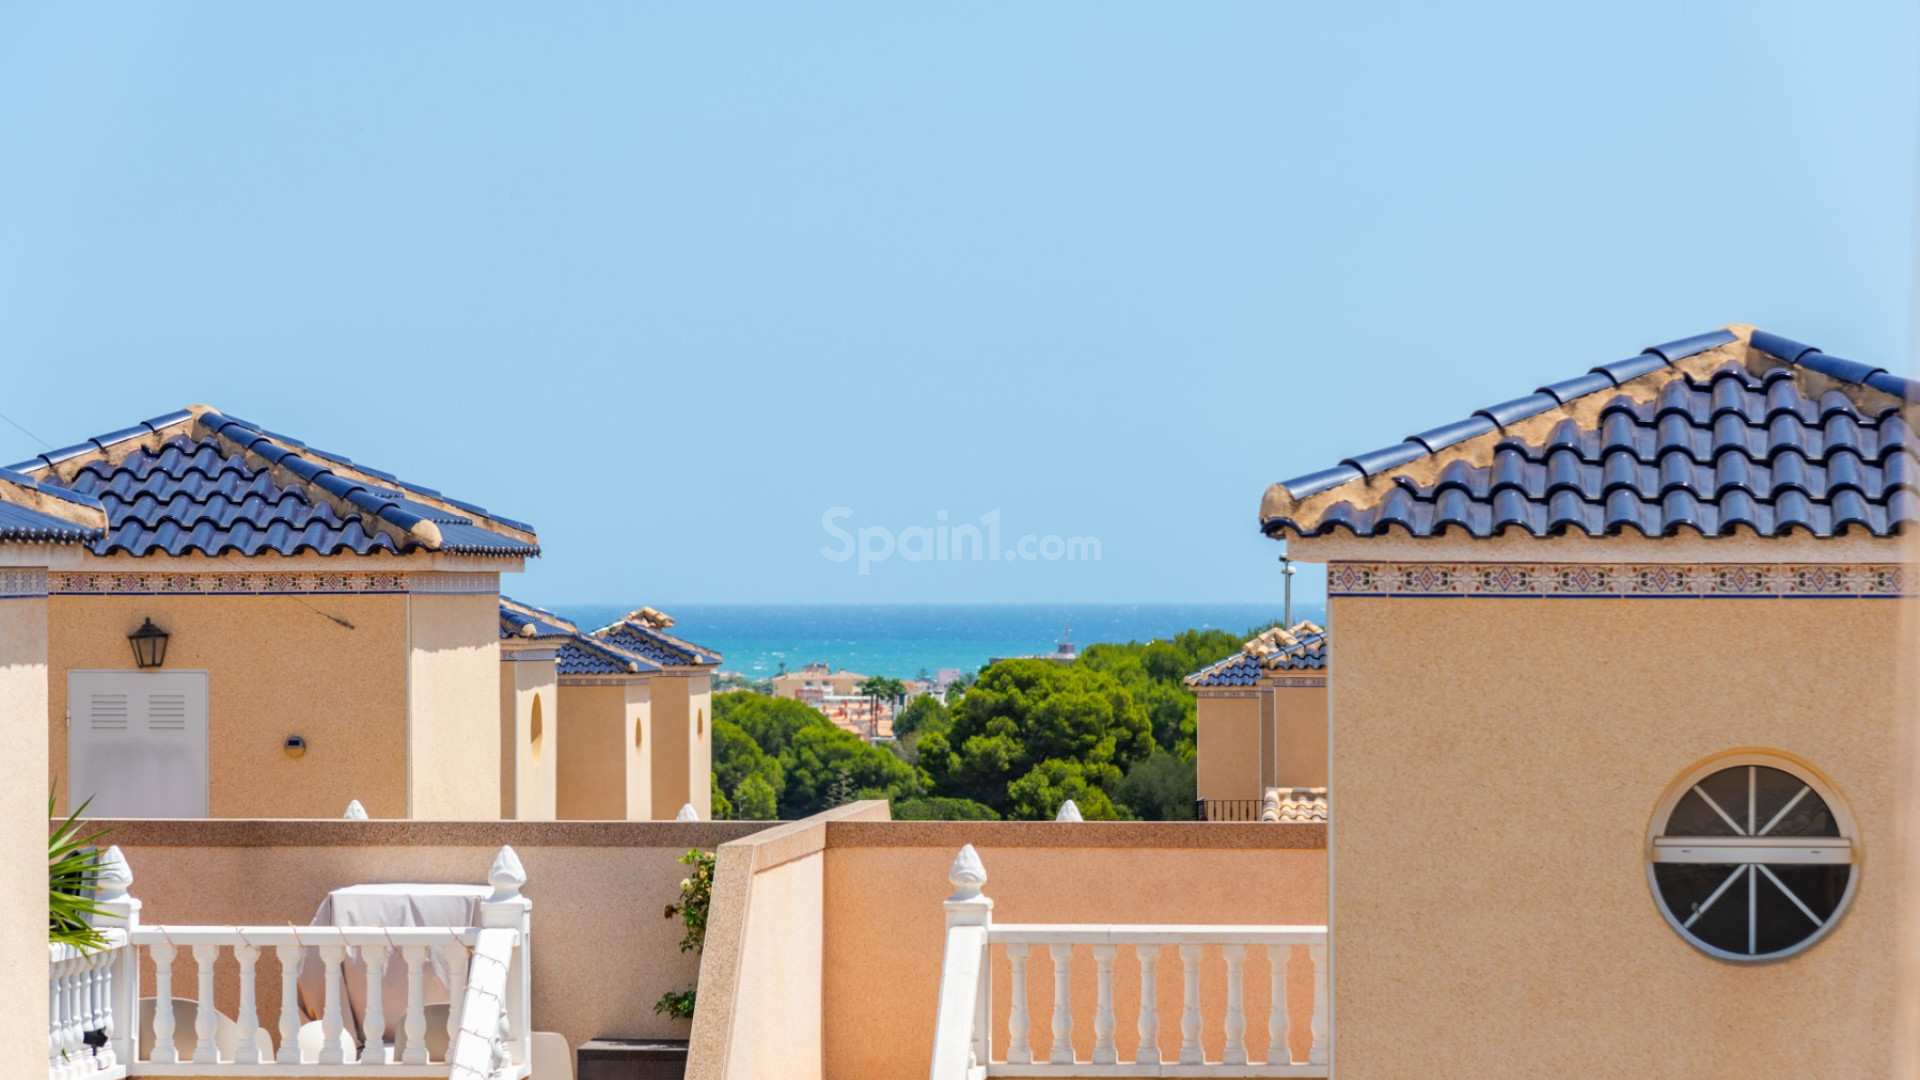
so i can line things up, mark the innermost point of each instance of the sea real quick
(904, 640)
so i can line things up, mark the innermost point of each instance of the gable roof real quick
(1301, 647)
(1737, 431)
(197, 481)
(632, 646)
(643, 632)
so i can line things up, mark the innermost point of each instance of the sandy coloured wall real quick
(1227, 742)
(683, 744)
(23, 840)
(529, 740)
(602, 774)
(1496, 766)
(1299, 736)
(777, 1019)
(603, 953)
(330, 668)
(453, 711)
(885, 926)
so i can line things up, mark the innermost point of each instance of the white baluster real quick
(121, 1015)
(1278, 1053)
(70, 1038)
(163, 1049)
(332, 1020)
(1318, 1055)
(457, 957)
(55, 1022)
(206, 1022)
(1103, 1052)
(1190, 1053)
(249, 1050)
(289, 1004)
(100, 1006)
(416, 1025)
(1148, 1052)
(1062, 1053)
(1019, 1020)
(373, 1024)
(1235, 1051)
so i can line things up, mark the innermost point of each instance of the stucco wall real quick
(330, 668)
(602, 773)
(885, 926)
(1496, 764)
(454, 708)
(1227, 741)
(1299, 736)
(682, 744)
(603, 953)
(529, 739)
(23, 839)
(777, 1022)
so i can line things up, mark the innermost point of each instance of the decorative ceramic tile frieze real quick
(22, 584)
(453, 584)
(525, 656)
(227, 583)
(1604, 580)
(600, 680)
(1297, 681)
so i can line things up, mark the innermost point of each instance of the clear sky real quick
(673, 281)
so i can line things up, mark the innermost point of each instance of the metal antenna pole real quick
(1286, 575)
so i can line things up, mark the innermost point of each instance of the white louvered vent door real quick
(137, 743)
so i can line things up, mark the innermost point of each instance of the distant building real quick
(837, 695)
(1064, 652)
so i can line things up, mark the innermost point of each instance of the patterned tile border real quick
(23, 584)
(1810, 581)
(268, 583)
(1297, 681)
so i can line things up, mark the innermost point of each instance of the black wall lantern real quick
(149, 645)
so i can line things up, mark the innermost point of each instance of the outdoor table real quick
(386, 905)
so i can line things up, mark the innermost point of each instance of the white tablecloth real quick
(386, 905)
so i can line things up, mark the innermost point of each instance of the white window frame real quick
(1756, 851)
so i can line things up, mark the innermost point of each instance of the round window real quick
(1752, 858)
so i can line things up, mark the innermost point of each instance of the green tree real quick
(1023, 713)
(756, 800)
(939, 809)
(922, 713)
(798, 754)
(1162, 787)
(1039, 794)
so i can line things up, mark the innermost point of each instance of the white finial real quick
(687, 813)
(1069, 812)
(967, 875)
(506, 875)
(114, 877)
(355, 812)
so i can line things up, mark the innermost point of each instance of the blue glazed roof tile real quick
(197, 491)
(1728, 441)
(1302, 647)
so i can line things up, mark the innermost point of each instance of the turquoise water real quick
(901, 640)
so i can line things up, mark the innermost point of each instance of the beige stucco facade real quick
(683, 742)
(1250, 739)
(395, 693)
(1496, 768)
(529, 733)
(604, 771)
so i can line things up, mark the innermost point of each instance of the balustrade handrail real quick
(1152, 934)
(305, 936)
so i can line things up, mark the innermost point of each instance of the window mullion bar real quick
(1795, 801)
(1702, 909)
(1753, 798)
(1782, 886)
(1724, 816)
(1753, 910)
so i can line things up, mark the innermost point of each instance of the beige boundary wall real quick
(877, 885)
(603, 950)
(23, 844)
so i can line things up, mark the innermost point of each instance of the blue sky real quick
(673, 281)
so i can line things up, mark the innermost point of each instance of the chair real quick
(313, 1035)
(552, 1058)
(186, 1034)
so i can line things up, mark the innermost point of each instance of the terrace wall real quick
(880, 886)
